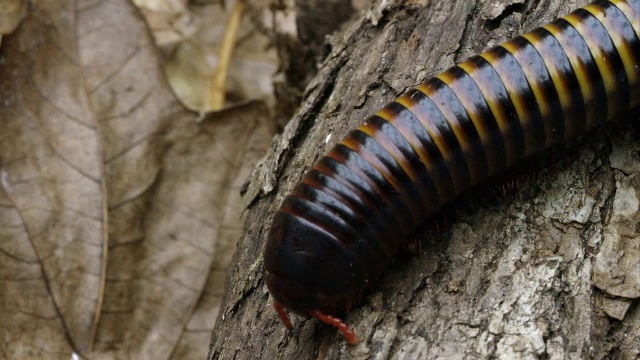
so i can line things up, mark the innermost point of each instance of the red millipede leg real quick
(349, 335)
(283, 315)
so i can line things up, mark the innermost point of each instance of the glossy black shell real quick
(351, 213)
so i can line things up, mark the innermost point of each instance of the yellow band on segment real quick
(422, 152)
(439, 141)
(408, 134)
(622, 46)
(450, 80)
(352, 144)
(607, 72)
(399, 157)
(327, 171)
(373, 160)
(377, 164)
(496, 109)
(579, 68)
(334, 154)
(387, 144)
(473, 113)
(536, 87)
(519, 103)
(455, 126)
(559, 81)
(433, 132)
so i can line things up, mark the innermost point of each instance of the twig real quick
(218, 82)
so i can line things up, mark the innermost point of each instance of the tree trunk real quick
(552, 271)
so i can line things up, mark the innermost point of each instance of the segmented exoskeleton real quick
(352, 212)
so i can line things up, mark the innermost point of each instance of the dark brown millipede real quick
(351, 213)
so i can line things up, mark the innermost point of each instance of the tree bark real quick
(552, 271)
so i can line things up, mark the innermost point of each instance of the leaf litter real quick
(118, 211)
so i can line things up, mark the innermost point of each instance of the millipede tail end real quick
(349, 335)
(283, 315)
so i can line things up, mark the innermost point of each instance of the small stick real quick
(219, 79)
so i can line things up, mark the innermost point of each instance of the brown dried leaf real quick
(11, 13)
(163, 6)
(193, 60)
(117, 210)
(233, 140)
(52, 186)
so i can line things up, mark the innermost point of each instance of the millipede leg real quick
(349, 335)
(283, 315)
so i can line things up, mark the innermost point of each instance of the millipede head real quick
(308, 273)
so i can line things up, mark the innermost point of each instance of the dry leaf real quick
(190, 75)
(114, 203)
(52, 184)
(11, 13)
(231, 143)
(192, 42)
(163, 6)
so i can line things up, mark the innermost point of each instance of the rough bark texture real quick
(300, 47)
(552, 271)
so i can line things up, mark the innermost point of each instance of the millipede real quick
(361, 203)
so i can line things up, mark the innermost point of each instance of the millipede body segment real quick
(352, 212)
